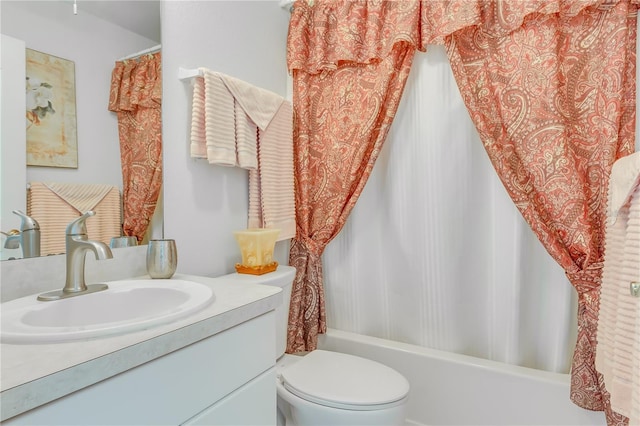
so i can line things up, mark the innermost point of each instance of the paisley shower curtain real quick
(573, 60)
(342, 114)
(136, 96)
(554, 103)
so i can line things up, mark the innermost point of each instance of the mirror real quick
(101, 33)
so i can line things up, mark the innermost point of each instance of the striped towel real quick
(55, 205)
(234, 123)
(271, 193)
(618, 337)
(226, 115)
(625, 175)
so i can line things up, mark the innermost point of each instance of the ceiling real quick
(139, 16)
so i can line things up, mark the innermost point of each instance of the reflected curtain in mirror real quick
(136, 96)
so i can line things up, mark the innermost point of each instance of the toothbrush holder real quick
(126, 241)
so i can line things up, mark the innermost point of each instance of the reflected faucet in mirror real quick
(77, 245)
(28, 237)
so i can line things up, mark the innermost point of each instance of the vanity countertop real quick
(33, 375)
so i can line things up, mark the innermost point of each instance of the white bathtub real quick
(452, 389)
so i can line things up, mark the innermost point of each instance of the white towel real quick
(226, 115)
(213, 126)
(237, 124)
(618, 336)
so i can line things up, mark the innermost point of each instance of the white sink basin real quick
(127, 305)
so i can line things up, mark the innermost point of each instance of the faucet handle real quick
(13, 239)
(78, 226)
(28, 223)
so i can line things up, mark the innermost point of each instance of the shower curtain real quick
(136, 96)
(342, 115)
(436, 254)
(556, 75)
(554, 104)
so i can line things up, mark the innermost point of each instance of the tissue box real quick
(256, 247)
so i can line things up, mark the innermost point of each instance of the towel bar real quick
(186, 74)
(634, 287)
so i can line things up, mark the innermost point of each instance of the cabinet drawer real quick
(253, 404)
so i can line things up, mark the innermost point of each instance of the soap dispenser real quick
(29, 235)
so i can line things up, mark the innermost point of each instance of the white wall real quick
(12, 137)
(93, 45)
(204, 203)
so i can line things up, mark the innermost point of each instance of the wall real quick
(93, 45)
(204, 203)
(12, 170)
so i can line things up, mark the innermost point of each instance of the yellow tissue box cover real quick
(256, 246)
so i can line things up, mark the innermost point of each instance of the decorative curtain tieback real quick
(587, 279)
(311, 246)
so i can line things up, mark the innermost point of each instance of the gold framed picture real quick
(51, 111)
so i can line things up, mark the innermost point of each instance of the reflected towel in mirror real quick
(55, 205)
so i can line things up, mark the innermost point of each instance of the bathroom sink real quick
(126, 306)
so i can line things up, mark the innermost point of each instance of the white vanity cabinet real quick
(225, 379)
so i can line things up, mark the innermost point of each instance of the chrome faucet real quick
(29, 235)
(77, 245)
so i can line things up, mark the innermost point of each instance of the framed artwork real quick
(51, 111)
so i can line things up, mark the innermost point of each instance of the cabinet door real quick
(253, 404)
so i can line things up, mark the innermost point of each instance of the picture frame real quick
(51, 111)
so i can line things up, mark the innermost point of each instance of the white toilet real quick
(329, 388)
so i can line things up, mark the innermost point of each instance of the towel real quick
(226, 116)
(618, 335)
(237, 124)
(625, 175)
(271, 187)
(55, 205)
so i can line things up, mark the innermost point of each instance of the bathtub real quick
(453, 389)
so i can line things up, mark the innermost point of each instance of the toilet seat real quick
(345, 381)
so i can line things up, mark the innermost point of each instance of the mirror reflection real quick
(114, 49)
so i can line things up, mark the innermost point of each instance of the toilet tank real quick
(283, 278)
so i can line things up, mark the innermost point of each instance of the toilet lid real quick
(344, 381)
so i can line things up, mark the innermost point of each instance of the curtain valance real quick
(328, 33)
(136, 83)
(495, 18)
